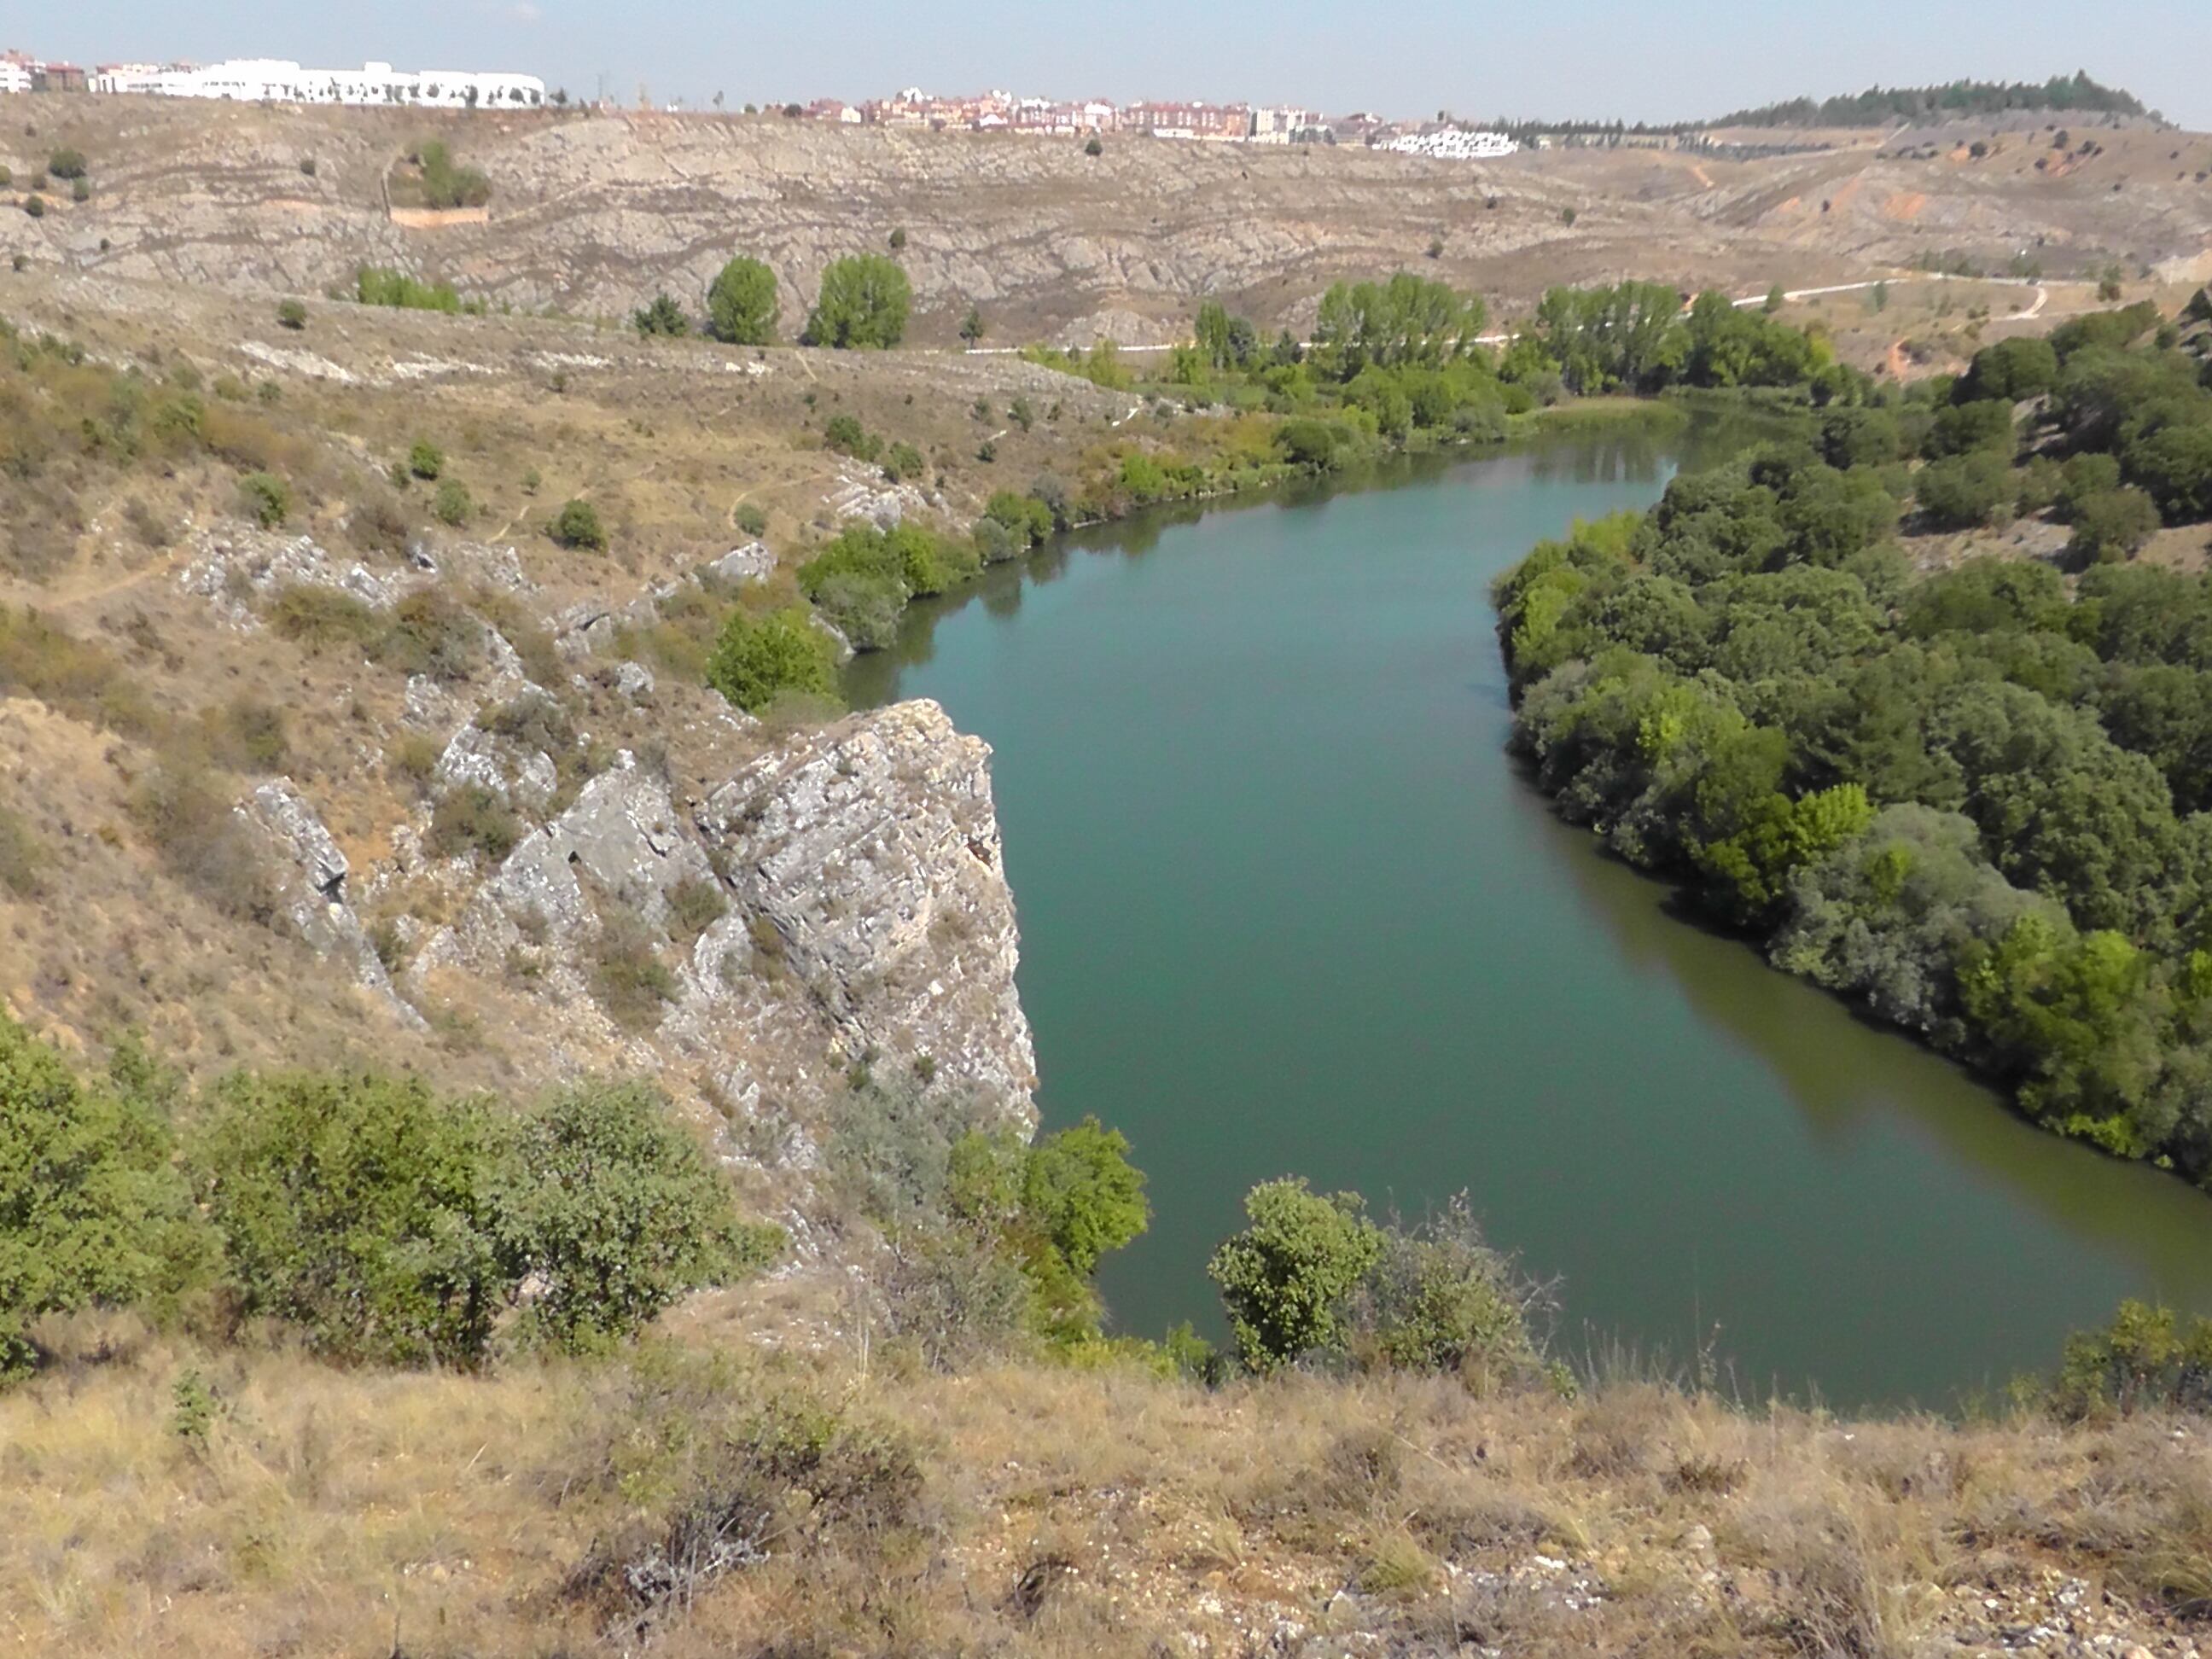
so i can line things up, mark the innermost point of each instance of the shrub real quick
(741, 304)
(1285, 1278)
(356, 1207)
(306, 167)
(694, 904)
(758, 658)
(1966, 490)
(319, 616)
(614, 1213)
(865, 609)
(452, 504)
(1440, 1298)
(92, 1211)
(264, 498)
(290, 314)
(429, 633)
(1094, 146)
(751, 519)
(2111, 525)
(629, 981)
(425, 459)
(663, 317)
(446, 186)
(35, 205)
(904, 461)
(577, 524)
(379, 523)
(66, 163)
(81, 191)
(473, 818)
(1961, 428)
(1082, 1194)
(378, 286)
(844, 434)
(1310, 443)
(863, 305)
(2142, 1361)
(21, 857)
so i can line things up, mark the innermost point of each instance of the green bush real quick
(751, 519)
(81, 191)
(428, 632)
(264, 498)
(2111, 525)
(1966, 491)
(93, 1211)
(577, 524)
(357, 1208)
(758, 658)
(452, 504)
(67, 163)
(741, 304)
(662, 318)
(614, 1213)
(22, 859)
(2142, 1361)
(904, 461)
(318, 617)
(844, 434)
(1285, 1278)
(863, 305)
(378, 286)
(425, 459)
(35, 205)
(473, 818)
(446, 185)
(628, 976)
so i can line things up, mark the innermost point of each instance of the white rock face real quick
(312, 873)
(872, 850)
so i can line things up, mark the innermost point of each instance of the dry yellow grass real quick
(1058, 1512)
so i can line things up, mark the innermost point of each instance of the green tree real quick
(612, 1211)
(67, 163)
(577, 524)
(358, 1208)
(425, 459)
(93, 1211)
(758, 658)
(1080, 1191)
(863, 305)
(971, 326)
(1285, 1278)
(291, 314)
(452, 504)
(663, 317)
(742, 307)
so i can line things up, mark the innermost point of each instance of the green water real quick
(1286, 907)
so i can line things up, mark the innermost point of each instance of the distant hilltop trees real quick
(1957, 101)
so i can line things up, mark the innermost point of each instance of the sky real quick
(1561, 59)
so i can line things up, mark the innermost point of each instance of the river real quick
(1287, 907)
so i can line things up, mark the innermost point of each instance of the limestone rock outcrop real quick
(872, 851)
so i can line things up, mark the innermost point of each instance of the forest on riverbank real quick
(1972, 799)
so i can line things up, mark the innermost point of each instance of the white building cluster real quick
(1454, 144)
(278, 80)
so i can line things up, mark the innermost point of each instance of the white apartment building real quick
(279, 81)
(15, 76)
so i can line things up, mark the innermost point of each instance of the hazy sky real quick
(1647, 60)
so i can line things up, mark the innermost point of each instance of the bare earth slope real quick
(592, 213)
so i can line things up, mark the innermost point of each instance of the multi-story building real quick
(14, 72)
(1218, 122)
(279, 81)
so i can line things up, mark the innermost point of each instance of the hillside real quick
(589, 215)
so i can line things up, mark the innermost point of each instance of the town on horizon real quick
(378, 84)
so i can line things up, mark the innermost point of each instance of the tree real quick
(758, 658)
(741, 304)
(1081, 1192)
(577, 524)
(612, 1210)
(2111, 525)
(452, 504)
(425, 459)
(93, 1211)
(1284, 1279)
(971, 326)
(291, 314)
(862, 306)
(662, 317)
(897, 239)
(355, 1207)
(1094, 145)
(1775, 299)
(1966, 491)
